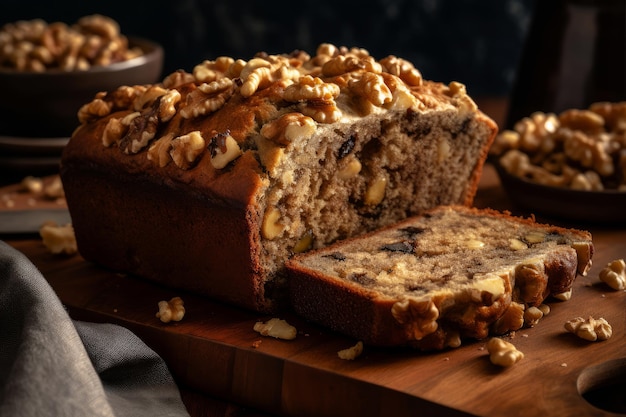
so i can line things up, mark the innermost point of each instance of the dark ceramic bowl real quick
(555, 203)
(46, 104)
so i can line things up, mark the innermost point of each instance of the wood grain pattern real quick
(213, 349)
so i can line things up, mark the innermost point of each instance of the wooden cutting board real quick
(215, 350)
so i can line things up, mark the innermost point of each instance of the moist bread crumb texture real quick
(433, 280)
(213, 178)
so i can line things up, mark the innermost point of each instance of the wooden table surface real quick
(225, 368)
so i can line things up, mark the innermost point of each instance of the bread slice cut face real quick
(433, 280)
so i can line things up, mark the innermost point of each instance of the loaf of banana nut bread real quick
(210, 180)
(433, 280)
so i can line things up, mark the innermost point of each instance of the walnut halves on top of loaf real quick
(434, 280)
(210, 180)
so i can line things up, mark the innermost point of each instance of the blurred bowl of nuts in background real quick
(49, 70)
(569, 166)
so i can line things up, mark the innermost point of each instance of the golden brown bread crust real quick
(196, 217)
(336, 286)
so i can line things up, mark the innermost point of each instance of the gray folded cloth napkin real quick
(51, 365)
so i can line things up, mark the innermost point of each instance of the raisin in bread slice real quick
(433, 280)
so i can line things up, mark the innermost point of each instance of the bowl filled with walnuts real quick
(570, 165)
(49, 70)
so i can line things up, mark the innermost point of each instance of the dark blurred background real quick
(477, 42)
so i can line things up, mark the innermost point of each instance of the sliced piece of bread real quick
(436, 279)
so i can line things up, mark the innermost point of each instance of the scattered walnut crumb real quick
(256, 343)
(59, 239)
(31, 184)
(53, 190)
(503, 353)
(614, 274)
(172, 310)
(590, 329)
(277, 328)
(352, 352)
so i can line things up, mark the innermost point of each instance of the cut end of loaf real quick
(356, 177)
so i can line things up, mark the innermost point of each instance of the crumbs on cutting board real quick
(34, 192)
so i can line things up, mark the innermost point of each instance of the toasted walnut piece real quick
(311, 88)
(532, 315)
(531, 280)
(288, 128)
(419, 316)
(474, 244)
(54, 189)
(146, 98)
(584, 253)
(614, 114)
(277, 328)
(402, 98)
(207, 98)
(443, 149)
(402, 69)
(375, 192)
(589, 151)
(590, 329)
(588, 181)
(59, 239)
(93, 110)
(116, 129)
(341, 64)
(535, 237)
(324, 53)
(102, 26)
(583, 120)
(224, 149)
(372, 87)
(351, 353)
(516, 244)
(177, 79)
(209, 71)
(270, 155)
(545, 309)
(172, 310)
(351, 168)
(491, 284)
(304, 243)
(123, 98)
(113, 132)
(272, 226)
(234, 71)
(614, 274)
(186, 149)
(453, 339)
(259, 78)
(321, 111)
(159, 151)
(503, 353)
(32, 184)
(517, 163)
(167, 106)
(534, 129)
(141, 130)
(458, 92)
(564, 296)
(511, 320)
